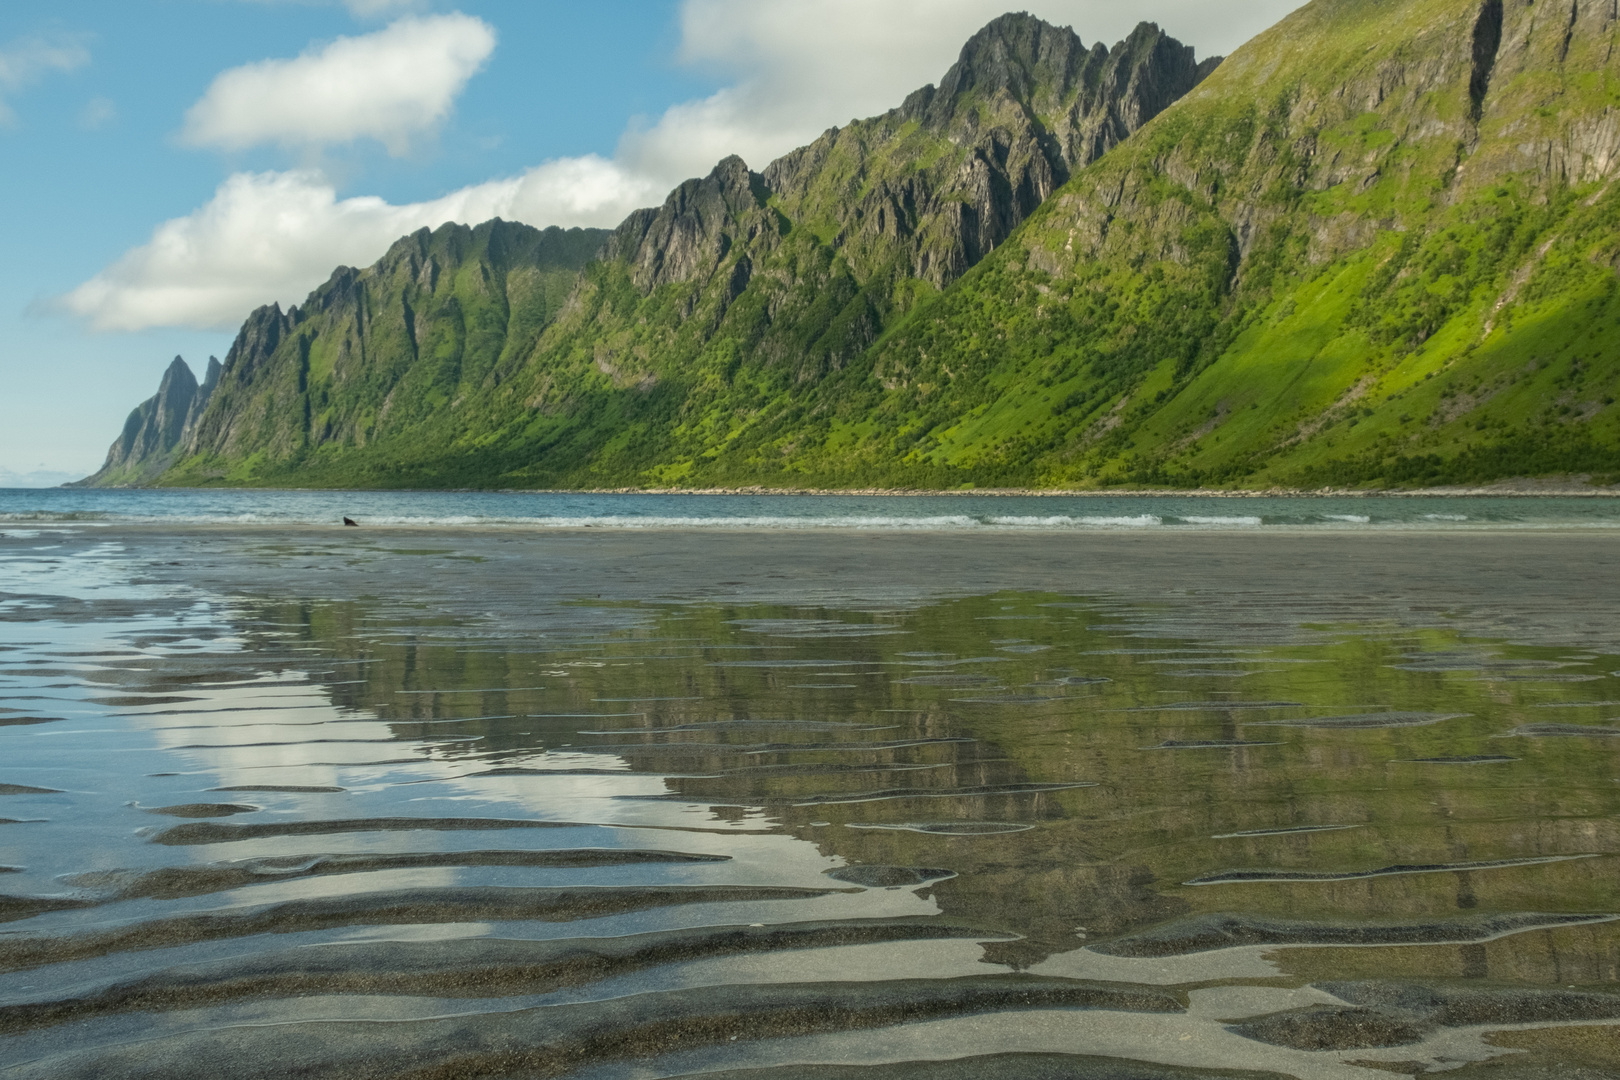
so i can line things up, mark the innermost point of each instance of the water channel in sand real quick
(1015, 833)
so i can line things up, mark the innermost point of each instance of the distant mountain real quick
(158, 427)
(35, 478)
(1376, 246)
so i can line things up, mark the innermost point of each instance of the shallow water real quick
(545, 510)
(1068, 835)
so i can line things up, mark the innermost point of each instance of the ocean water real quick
(261, 832)
(938, 512)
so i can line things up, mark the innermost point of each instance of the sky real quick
(167, 166)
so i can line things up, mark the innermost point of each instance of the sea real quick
(543, 510)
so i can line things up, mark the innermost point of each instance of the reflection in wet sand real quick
(349, 837)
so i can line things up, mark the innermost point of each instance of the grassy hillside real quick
(379, 352)
(1365, 251)
(1378, 246)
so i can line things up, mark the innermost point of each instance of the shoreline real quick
(1527, 492)
(540, 527)
(1521, 489)
(1547, 585)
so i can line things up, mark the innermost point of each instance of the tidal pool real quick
(303, 830)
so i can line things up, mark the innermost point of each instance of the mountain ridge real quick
(1375, 247)
(932, 189)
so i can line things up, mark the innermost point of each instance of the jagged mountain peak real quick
(180, 370)
(1016, 53)
(498, 240)
(1061, 83)
(690, 235)
(1025, 105)
(158, 427)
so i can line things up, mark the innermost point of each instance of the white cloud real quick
(275, 236)
(391, 85)
(25, 62)
(795, 68)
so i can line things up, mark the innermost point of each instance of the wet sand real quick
(1563, 584)
(469, 802)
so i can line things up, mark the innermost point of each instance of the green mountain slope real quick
(386, 350)
(1377, 246)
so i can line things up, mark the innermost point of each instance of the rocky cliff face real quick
(692, 233)
(158, 428)
(938, 182)
(1025, 105)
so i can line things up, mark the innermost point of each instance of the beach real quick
(1564, 584)
(496, 800)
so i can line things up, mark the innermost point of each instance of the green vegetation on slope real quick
(1331, 275)
(1378, 246)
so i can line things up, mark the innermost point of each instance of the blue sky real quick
(170, 164)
